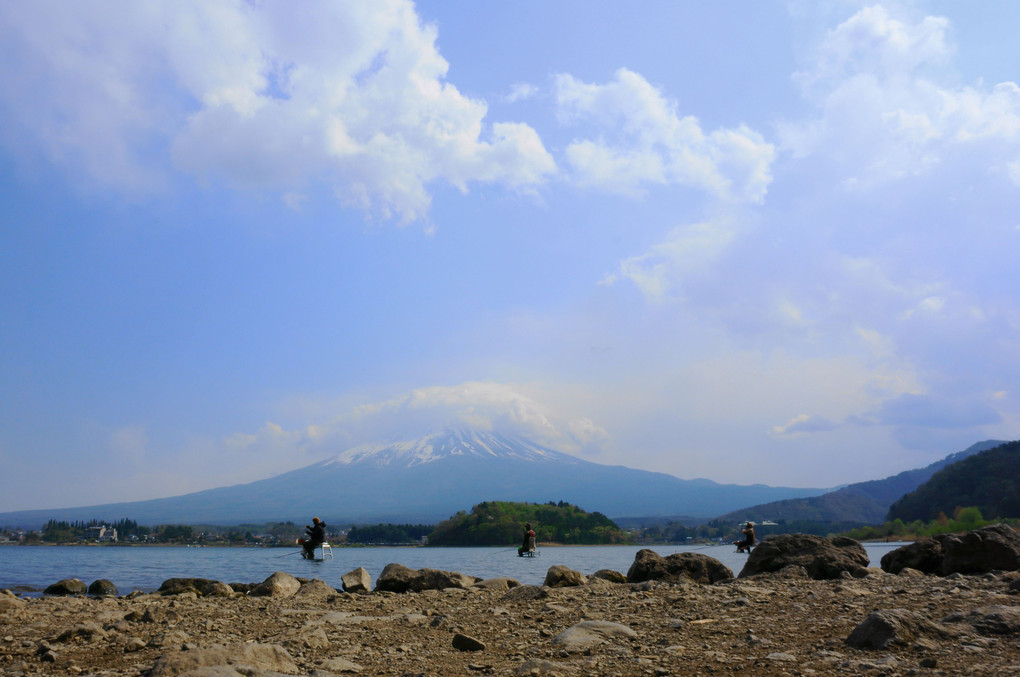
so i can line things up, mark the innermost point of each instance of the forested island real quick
(502, 523)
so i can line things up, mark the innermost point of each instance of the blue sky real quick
(770, 244)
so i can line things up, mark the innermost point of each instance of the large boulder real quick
(560, 576)
(395, 578)
(436, 579)
(280, 584)
(103, 588)
(822, 558)
(68, 586)
(203, 587)
(995, 619)
(924, 555)
(888, 627)
(587, 634)
(358, 580)
(992, 548)
(651, 566)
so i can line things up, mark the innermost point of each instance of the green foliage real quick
(989, 481)
(388, 534)
(56, 531)
(964, 519)
(502, 523)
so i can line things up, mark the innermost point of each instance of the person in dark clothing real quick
(746, 544)
(529, 541)
(316, 536)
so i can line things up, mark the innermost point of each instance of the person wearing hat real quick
(529, 541)
(316, 532)
(746, 544)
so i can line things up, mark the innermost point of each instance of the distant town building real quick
(101, 532)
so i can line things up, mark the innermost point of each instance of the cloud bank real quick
(352, 96)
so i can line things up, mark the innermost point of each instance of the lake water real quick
(29, 569)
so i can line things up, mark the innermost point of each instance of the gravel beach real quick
(779, 623)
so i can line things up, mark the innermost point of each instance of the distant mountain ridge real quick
(989, 480)
(428, 480)
(862, 502)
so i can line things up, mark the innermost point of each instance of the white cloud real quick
(641, 140)
(521, 91)
(485, 405)
(884, 115)
(802, 424)
(687, 250)
(348, 94)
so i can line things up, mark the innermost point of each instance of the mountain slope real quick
(989, 480)
(863, 502)
(429, 479)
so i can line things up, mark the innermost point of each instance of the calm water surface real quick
(30, 569)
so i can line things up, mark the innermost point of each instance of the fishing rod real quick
(296, 552)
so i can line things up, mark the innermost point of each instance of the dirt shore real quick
(774, 624)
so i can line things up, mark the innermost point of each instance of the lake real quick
(30, 569)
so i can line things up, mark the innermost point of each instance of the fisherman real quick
(746, 544)
(316, 532)
(529, 541)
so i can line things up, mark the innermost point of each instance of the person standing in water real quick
(529, 541)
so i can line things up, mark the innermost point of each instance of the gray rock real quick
(103, 588)
(537, 666)
(924, 555)
(525, 593)
(203, 587)
(587, 634)
(86, 631)
(888, 627)
(436, 579)
(341, 665)
(995, 619)
(609, 575)
(822, 558)
(395, 578)
(315, 589)
(280, 584)
(992, 548)
(133, 644)
(10, 603)
(258, 656)
(68, 586)
(560, 576)
(310, 636)
(358, 580)
(463, 642)
(499, 583)
(171, 640)
(650, 566)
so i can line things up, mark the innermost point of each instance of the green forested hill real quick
(502, 523)
(860, 503)
(989, 480)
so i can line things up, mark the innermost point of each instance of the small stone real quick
(463, 642)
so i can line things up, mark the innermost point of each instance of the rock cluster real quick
(794, 620)
(995, 547)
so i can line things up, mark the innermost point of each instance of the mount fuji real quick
(429, 479)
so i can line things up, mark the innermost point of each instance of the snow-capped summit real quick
(444, 444)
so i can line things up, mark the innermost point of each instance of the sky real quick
(755, 242)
